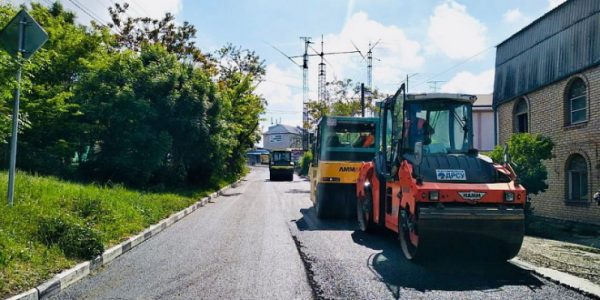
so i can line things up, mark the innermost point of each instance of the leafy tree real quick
(233, 59)
(8, 68)
(148, 115)
(241, 113)
(144, 107)
(343, 100)
(240, 72)
(133, 33)
(49, 138)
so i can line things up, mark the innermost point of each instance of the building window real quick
(577, 178)
(521, 116)
(576, 102)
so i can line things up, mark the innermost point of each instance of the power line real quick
(454, 66)
(113, 28)
(144, 11)
(89, 13)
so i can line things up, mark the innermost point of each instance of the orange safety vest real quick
(369, 141)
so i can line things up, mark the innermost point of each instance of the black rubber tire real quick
(320, 205)
(511, 250)
(364, 212)
(408, 249)
(291, 177)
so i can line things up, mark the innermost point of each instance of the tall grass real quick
(52, 221)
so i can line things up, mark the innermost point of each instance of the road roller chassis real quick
(281, 166)
(429, 186)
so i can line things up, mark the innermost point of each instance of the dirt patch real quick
(566, 231)
(578, 260)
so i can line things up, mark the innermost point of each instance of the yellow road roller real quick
(342, 144)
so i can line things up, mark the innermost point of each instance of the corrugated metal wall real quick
(562, 42)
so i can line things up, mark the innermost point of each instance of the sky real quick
(443, 45)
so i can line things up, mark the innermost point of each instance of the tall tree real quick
(132, 33)
(240, 72)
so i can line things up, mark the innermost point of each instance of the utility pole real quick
(307, 43)
(362, 100)
(322, 77)
(322, 74)
(369, 60)
(304, 66)
(370, 68)
(434, 85)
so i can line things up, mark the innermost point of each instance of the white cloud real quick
(554, 3)
(282, 89)
(467, 82)
(279, 84)
(454, 32)
(396, 54)
(514, 16)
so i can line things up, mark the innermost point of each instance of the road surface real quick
(262, 240)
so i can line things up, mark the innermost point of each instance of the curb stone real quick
(62, 280)
(32, 294)
(573, 282)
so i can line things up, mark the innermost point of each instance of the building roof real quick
(257, 151)
(283, 128)
(483, 100)
(562, 42)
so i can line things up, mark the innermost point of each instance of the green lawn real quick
(51, 217)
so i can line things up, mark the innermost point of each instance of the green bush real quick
(4, 258)
(51, 230)
(81, 242)
(527, 153)
(90, 208)
(75, 240)
(305, 161)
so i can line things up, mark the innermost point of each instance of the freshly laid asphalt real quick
(262, 240)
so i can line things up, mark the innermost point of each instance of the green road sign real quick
(27, 41)
(21, 35)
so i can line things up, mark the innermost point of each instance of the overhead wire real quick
(450, 68)
(144, 11)
(88, 12)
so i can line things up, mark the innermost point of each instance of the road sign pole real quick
(15, 118)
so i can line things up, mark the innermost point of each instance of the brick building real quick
(548, 82)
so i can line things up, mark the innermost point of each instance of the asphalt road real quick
(262, 240)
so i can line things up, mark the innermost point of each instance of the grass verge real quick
(54, 224)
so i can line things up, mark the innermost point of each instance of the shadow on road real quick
(297, 191)
(441, 271)
(310, 222)
(230, 195)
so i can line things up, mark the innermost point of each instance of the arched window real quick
(576, 102)
(521, 116)
(577, 178)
